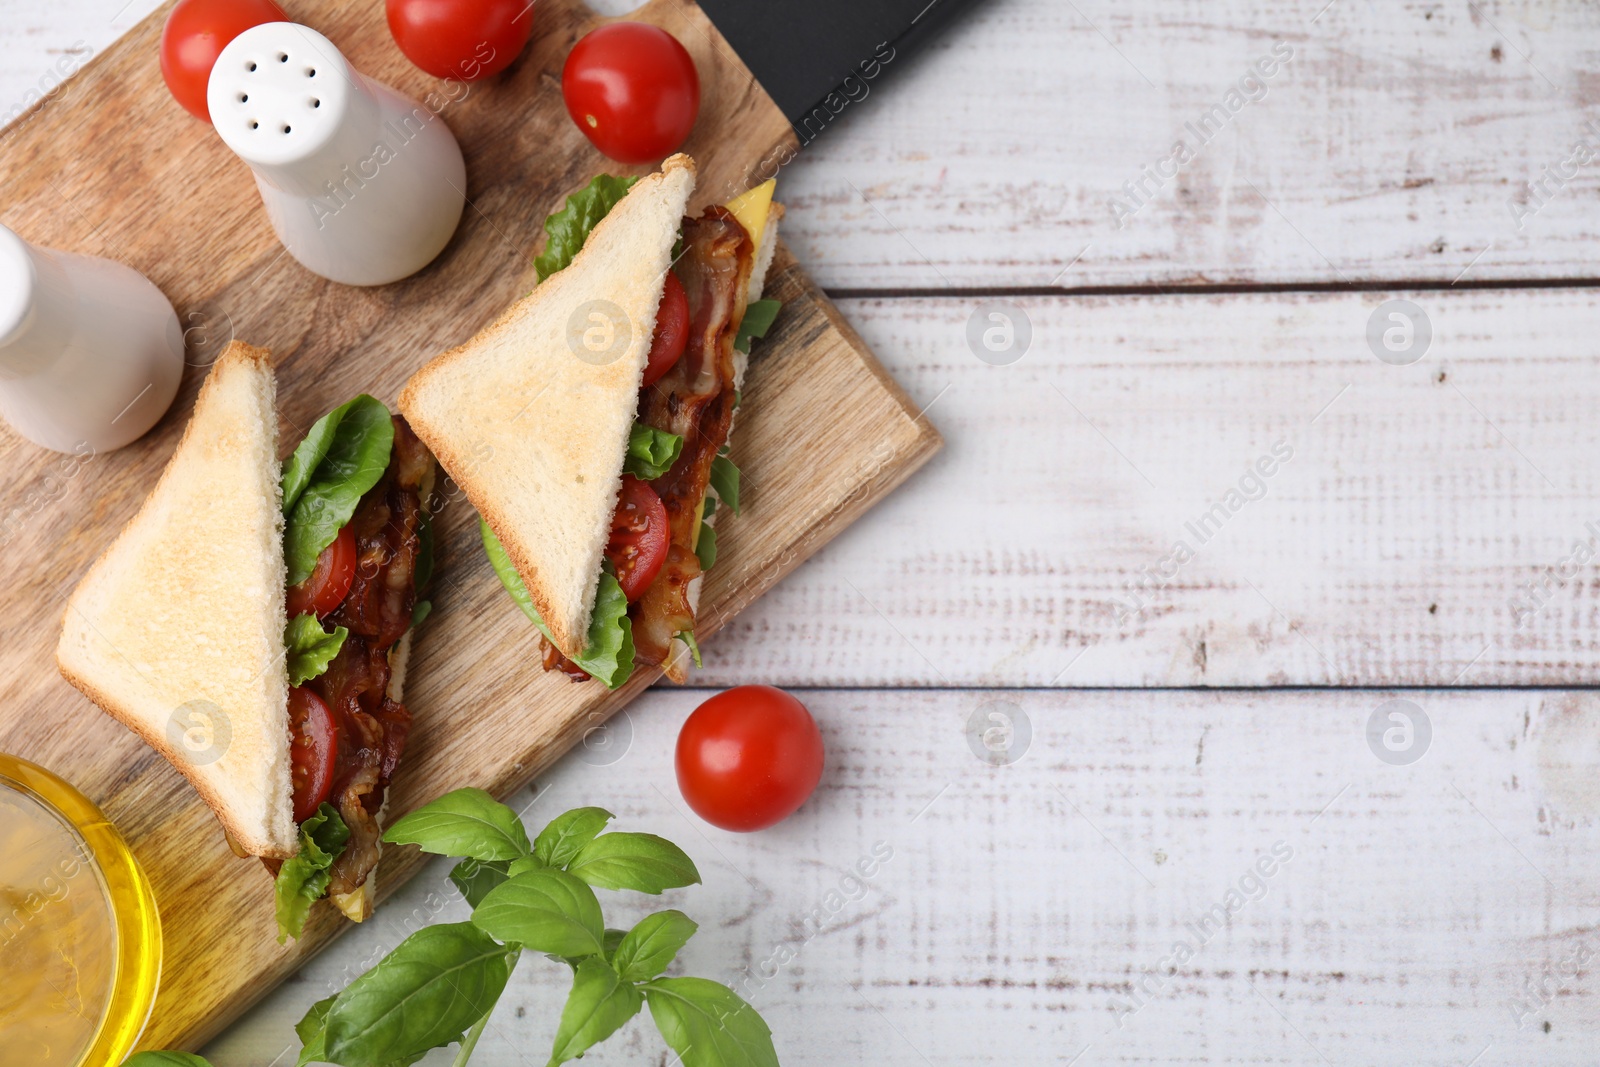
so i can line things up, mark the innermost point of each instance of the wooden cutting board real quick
(112, 166)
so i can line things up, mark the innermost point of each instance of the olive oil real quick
(80, 943)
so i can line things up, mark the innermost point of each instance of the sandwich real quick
(589, 424)
(252, 624)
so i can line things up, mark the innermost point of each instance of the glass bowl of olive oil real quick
(80, 940)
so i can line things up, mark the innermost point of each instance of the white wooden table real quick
(1177, 715)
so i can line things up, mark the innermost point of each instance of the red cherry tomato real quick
(328, 584)
(747, 758)
(461, 39)
(633, 91)
(196, 33)
(672, 331)
(313, 751)
(639, 537)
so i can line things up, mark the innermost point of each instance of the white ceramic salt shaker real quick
(91, 352)
(363, 185)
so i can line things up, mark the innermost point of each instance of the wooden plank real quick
(1422, 907)
(1397, 546)
(115, 168)
(1387, 148)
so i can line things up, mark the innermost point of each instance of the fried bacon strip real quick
(695, 401)
(372, 728)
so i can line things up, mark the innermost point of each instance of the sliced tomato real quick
(313, 751)
(329, 583)
(672, 331)
(639, 537)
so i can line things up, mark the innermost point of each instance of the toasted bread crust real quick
(561, 580)
(268, 833)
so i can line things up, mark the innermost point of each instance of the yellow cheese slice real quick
(751, 209)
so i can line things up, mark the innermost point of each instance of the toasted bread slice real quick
(531, 417)
(177, 630)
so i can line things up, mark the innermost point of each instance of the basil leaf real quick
(687, 637)
(608, 654)
(475, 878)
(165, 1059)
(547, 911)
(758, 319)
(310, 647)
(706, 548)
(612, 940)
(304, 877)
(423, 995)
(709, 1025)
(342, 457)
(725, 480)
(651, 452)
(421, 611)
(560, 841)
(312, 1030)
(569, 227)
(465, 823)
(642, 862)
(422, 570)
(600, 1002)
(653, 944)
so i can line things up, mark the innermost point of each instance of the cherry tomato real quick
(326, 587)
(313, 750)
(639, 537)
(749, 757)
(196, 33)
(633, 91)
(672, 331)
(461, 39)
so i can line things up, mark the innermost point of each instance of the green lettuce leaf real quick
(725, 480)
(706, 546)
(342, 457)
(311, 648)
(758, 319)
(651, 452)
(569, 227)
(304, 877)
(608, 652)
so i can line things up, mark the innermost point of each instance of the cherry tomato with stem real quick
(672, 331)
(195, 33)
(328, 584)
(633, 90)
(461, 39)
(639, 537)
(313, 751)
(748, 758)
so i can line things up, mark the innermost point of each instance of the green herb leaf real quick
(475, 878)
(613, 940)
(653, 944)
(706, 548)
(423, 995)
(544, 910)
(569, 227)
(310, 647)
(165, 1059)
(304, 877)
(560, 841)
(651, 452)
(342, 457)
(758, 319)
(687, 637)
(600, 1002)
(464, 823)
(642, 862)
(422, 571)
(312, 1030)
(709, 1025)
(608, 655)
(725, 480)
(421, 611)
